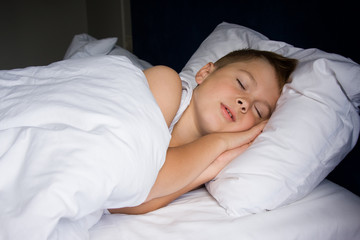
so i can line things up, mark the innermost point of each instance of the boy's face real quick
(235, 97)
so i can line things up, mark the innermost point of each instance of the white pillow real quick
(84, 45)
(313, 127)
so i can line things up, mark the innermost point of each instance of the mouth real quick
(227, 113)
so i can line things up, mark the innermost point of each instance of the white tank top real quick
(185, 101)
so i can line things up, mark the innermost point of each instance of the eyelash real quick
(258, 112)
(241, 85)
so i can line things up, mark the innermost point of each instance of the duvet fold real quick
(77, 136)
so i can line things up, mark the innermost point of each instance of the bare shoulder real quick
(165, 84)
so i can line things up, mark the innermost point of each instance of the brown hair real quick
(283, 66)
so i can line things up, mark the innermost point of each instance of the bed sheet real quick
(329, 212)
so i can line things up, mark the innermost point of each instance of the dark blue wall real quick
(168, 32)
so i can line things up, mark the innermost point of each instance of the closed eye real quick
(258, 112)
(240, 83)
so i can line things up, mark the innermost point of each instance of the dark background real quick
(170, 31)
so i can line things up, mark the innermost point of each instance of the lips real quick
(227, 113)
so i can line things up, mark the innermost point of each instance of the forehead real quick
(259, 70)
(256, 63)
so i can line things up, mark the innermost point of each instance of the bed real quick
(277, 189)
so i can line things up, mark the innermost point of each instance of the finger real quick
(229, 155)
(256, 130)
(248, 136)
(260, 126)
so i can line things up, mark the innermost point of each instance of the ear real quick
(204, 72)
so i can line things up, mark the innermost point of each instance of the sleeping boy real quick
(229, 108)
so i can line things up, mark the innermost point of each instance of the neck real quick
(185, 130)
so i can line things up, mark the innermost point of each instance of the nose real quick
(244, 105)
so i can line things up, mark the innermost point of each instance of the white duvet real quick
(76, 137)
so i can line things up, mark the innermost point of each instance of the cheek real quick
(246, 123)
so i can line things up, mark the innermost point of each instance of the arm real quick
(176, 176)
(204, 177)
(157, 202)
(185, 163)
(209, 173)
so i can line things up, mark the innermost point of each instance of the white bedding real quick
(329, 212)
(77, 137)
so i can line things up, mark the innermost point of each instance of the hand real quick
(237, 139)
(245, 138)
(218, 164)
